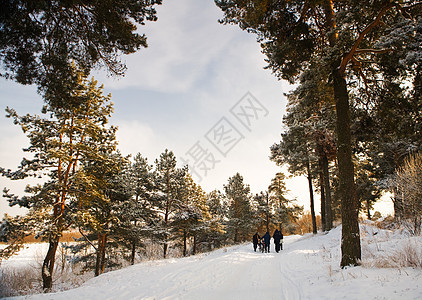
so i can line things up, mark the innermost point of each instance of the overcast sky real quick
(199, 89)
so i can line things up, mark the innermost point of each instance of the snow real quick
(31, 255)
(306, 268)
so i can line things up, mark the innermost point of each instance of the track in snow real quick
(235, 273)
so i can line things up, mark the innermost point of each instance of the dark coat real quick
(267, 238)
(277, 236)
(255, 238)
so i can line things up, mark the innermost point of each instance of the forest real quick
(353, 128)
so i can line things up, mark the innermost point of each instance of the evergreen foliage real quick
(100, 211)
(140, 218)
(60, 144)
(263, 213)
(218, 209)
(169, 181)
(239, 225)
(190, 219)
(286, 212)
(41, 40)
(307, 144)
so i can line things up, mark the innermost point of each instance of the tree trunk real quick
(237, 220)
(100, 262)
(268, 213)
(194, 245)
(133, 254)
(132, 257)
(417, 224)
(368, 210)
(165, 249)
(236, 234)
(166, 216)
(350, 246)
(48, 265)
(321, 184)
(103, 253)
(327, 188)
(98, 258)
(185, 236)
(311, 196)
(398, 206)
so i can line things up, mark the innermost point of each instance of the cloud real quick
(134, 137)
(182, 43)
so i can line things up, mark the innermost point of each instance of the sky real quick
(200, 89)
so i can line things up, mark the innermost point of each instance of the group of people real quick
(264, 242)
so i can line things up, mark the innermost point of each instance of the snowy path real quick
(236, 273)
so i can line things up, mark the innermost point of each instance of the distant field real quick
(68, 236)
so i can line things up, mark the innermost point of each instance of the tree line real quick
(117, 203)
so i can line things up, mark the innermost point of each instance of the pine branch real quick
(87, 239)
(361, 36)
(378, 51)
(357, 64)
(112, 66)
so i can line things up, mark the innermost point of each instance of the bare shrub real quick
(376, 216)
(19, 281)
(409, 255)
(386, 223)
(26, 280)
(408, 183)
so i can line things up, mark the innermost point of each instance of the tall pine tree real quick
(239, 225)
(168, 185)
(59, 143)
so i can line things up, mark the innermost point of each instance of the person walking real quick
(277, 238)
(255, 240)
(267, 239)
(281, 240)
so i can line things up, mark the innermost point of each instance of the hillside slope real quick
(307, 268)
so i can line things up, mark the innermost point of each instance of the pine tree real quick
(168, 182)
(59, 144)
(218, 210)
(295, 148)
(385, 140)
(240, 221)
(140, 219)
(191, 216)
(116, 221)
(366, 189)
(286, 212)
(102, 194)
(41, 40)
(264, 213)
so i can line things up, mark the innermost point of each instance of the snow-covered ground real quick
(307, 268)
